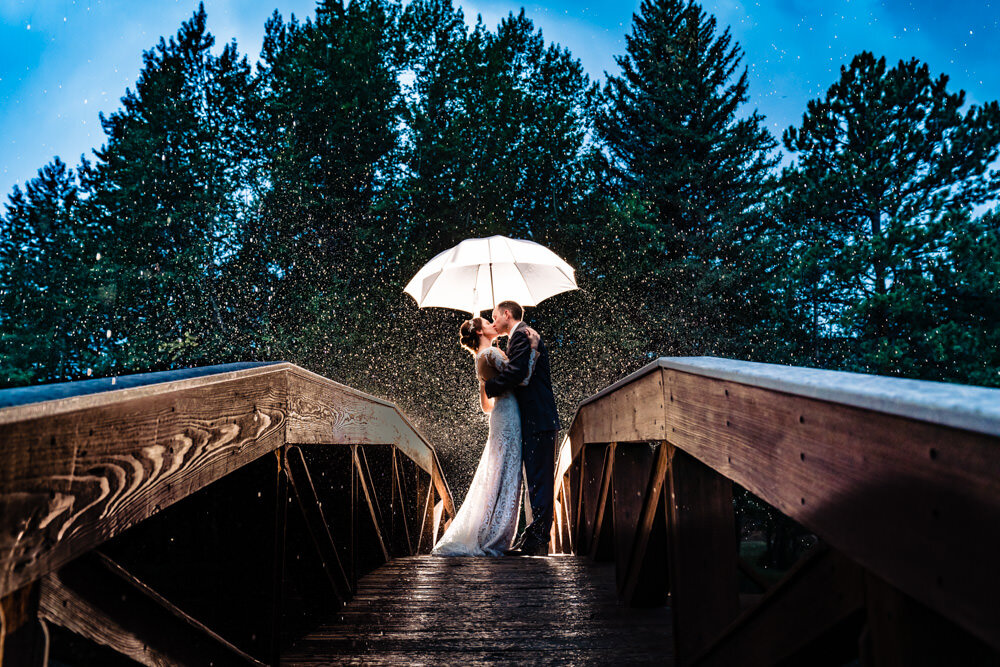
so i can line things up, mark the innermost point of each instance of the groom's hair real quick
(513, 306)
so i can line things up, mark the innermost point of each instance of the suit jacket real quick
(537, 404)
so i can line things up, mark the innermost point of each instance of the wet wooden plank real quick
(427, 609)
(60, 397)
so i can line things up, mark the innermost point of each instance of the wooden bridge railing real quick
(900, 480)
(200, 516)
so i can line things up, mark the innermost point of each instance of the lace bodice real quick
(492, 356)
(495, 357)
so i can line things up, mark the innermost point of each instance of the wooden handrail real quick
(86, 460)
(83, 462)
(900, 476)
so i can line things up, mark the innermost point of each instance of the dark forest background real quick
(274, 211)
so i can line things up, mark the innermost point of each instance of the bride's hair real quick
(468, 334)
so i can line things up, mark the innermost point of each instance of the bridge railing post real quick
(633, 465)
(23, 636)
(702, 552)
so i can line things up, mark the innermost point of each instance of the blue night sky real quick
(63, 61)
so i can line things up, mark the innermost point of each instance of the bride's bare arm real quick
(484, 371)
(485, 402)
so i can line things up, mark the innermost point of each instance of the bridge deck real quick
(432, 610)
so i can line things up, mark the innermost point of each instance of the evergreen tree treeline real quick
(274, 212)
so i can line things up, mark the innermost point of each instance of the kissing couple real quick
(516, 391)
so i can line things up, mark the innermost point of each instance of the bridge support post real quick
(632, 466)
(643, 578)
(702, 552)
(601, 546)
(592, 471)
(278, 562)
(23, 635)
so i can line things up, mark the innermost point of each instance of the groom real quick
(539, 420)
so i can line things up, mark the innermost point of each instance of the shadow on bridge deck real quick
(432, 610)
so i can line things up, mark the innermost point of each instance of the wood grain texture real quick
(602, 540)
(901, 476)
(576, 435)
(321, 411)
(71, 480)
(632, 413)
(593, 457)
(962, 406)
(324, 411)
(702, 548)
(917, 503)
(630, 486)
(79, 470)
(646, 573)
(433, 610)
(49, 400)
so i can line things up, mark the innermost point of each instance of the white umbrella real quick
(477, 274)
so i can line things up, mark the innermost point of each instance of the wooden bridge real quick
(258, 513)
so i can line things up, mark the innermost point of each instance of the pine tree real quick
(49, 310)
(164, 195)
(888, 170)
(498, 126)
(328, 135)
(959, 337)
(671, 127)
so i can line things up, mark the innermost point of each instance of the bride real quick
(487, 520)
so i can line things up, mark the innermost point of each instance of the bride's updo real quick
(468, 334)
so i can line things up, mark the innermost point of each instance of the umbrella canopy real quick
(477, 274)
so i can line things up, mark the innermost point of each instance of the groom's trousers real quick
(538, 453)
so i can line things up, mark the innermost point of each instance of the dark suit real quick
(539, 426)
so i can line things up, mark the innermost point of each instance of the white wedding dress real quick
(487, 521)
